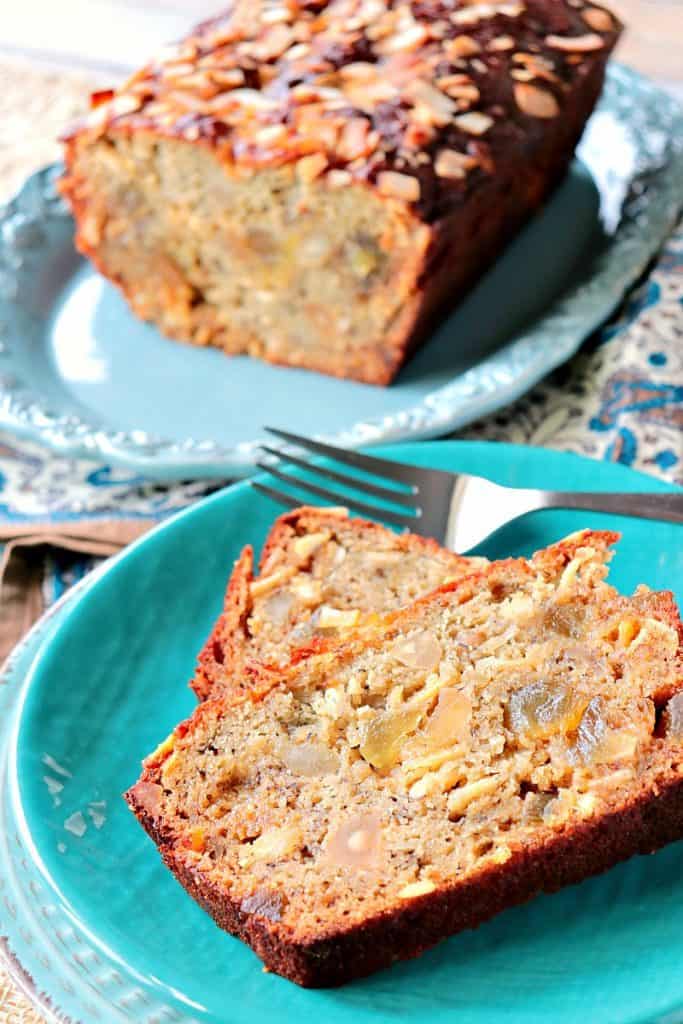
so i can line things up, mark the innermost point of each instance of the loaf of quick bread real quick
(314, 182)
(515, 731)
(321, 574)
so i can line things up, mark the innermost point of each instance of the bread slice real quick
(321, 573)
(516, 731)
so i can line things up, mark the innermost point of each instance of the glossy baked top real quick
(421, 98)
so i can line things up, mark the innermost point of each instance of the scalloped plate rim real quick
(438, 412)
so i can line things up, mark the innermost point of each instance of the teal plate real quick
(81, 374)
(95, 923)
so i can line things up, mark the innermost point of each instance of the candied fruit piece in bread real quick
(371, 803)
(314, 183)
(321, 574)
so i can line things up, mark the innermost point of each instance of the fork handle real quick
(667, 507)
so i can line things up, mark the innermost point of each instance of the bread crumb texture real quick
(512, 708)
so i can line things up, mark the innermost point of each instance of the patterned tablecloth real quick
(620, 399)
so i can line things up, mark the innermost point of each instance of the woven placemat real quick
(35, 105)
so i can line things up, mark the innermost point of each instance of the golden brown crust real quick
(651, 820)
(421, 99)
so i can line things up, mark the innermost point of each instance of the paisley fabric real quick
(621, 397)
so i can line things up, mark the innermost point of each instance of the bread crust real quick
(651, 820)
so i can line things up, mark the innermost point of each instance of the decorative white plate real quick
(79, 373)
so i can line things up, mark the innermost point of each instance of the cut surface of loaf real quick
(313, 183)
(515, 731)
(321, 573)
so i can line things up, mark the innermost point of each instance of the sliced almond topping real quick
(273, 15)
(459, 87)
(276, 40)
(399, 186)
(501, 43)
(354, 138)
(474, 123)
(462, 46)
(253, 98)
(576, 44)
(441, 108)
(360, 70)
(410, 39)
(173, 71)
(201, 83)
(231, 79)
(297, 51)
(474, 12)
(535, 66)
(311, 167)
(271, 134)
(408, 892)
(534, 101)
(450, 163)
(597, 19)
(338, 179)
(124, 104)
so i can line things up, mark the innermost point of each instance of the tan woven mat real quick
(35, 104)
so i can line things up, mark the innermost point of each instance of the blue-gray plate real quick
(79, 372)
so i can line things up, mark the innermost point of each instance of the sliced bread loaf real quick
(513, 732)
(321, 574)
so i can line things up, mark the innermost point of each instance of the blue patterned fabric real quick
(619, 399)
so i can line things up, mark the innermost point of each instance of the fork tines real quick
(406, 494)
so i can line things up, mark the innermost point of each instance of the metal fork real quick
(456, 509)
